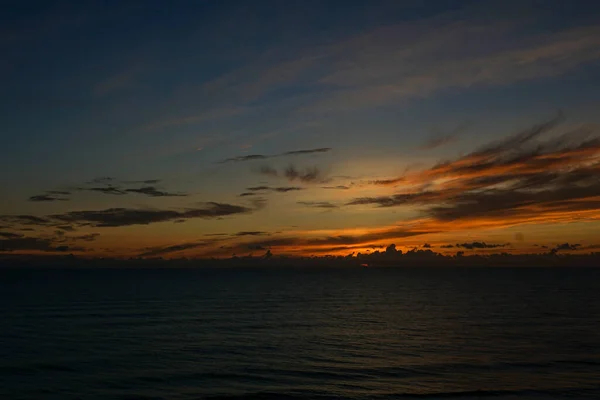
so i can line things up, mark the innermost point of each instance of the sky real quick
(307, 128)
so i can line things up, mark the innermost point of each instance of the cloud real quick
(521, 179)
(116, 217)
(59, 192)
(293, 173)
(407, 62)
(116, 82)
(566, 247)
(447, 246)
(33, 243)
(442, 139)
(250, 157)
(481, 245)
(67, 228)
(309, 151)
(24, 220)
(144, 182)
(159, 251)
(246, 194)
(101, 179)
(338, 187)
(416, 59)
(106, 190)
(426, 246)
(258, 188)
(253, 157)
(279, 189)
(10, 235)
(318, 204)
(251, 233)
(308, 175)
(154, 192)
(46, 197)
(120, 188)
(268, 171)
(85, 238)
(315, 241)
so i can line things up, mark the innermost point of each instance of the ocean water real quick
(300, 333)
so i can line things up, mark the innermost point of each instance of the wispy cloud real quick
(415, 59)
(318, 204)
(46, 197)
(106, 190)
(252, 233)
(338, 187)
(279, 189)
(33, 243)
(254, 157)
(118, 81)
(293, 173)
(441, 139)
(481, 245)
(163, 250)
(518, 179)
(115, 217)
(154, 192)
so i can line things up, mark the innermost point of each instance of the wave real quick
(570, 392)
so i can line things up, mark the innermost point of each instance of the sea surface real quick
(472, 333)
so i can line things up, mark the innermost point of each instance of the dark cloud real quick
(481, 245)
(338, 187)
(59, 192)
(32, 243)
(24, 220)
(119, 188)
(46, 197)
(281, 189)
(516, 141)
(318, 204)
(426, 246)
(251, 233)
(258, 188)
(388, 182)
(67, 228)
(253, 157)
(112, 190)
(10, 235)
(154, 192)
(309, 151)
(246, 194)
(143, 182)
(115, 217)
(268, 171)
(101, 179)
(256, 247)
(398, 199)
(250, 157)
(566, 247)
(159, 251)
(447, 246)
(307, 175)
(85, 238)
(286, 189)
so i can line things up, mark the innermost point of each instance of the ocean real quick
(293, 333)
